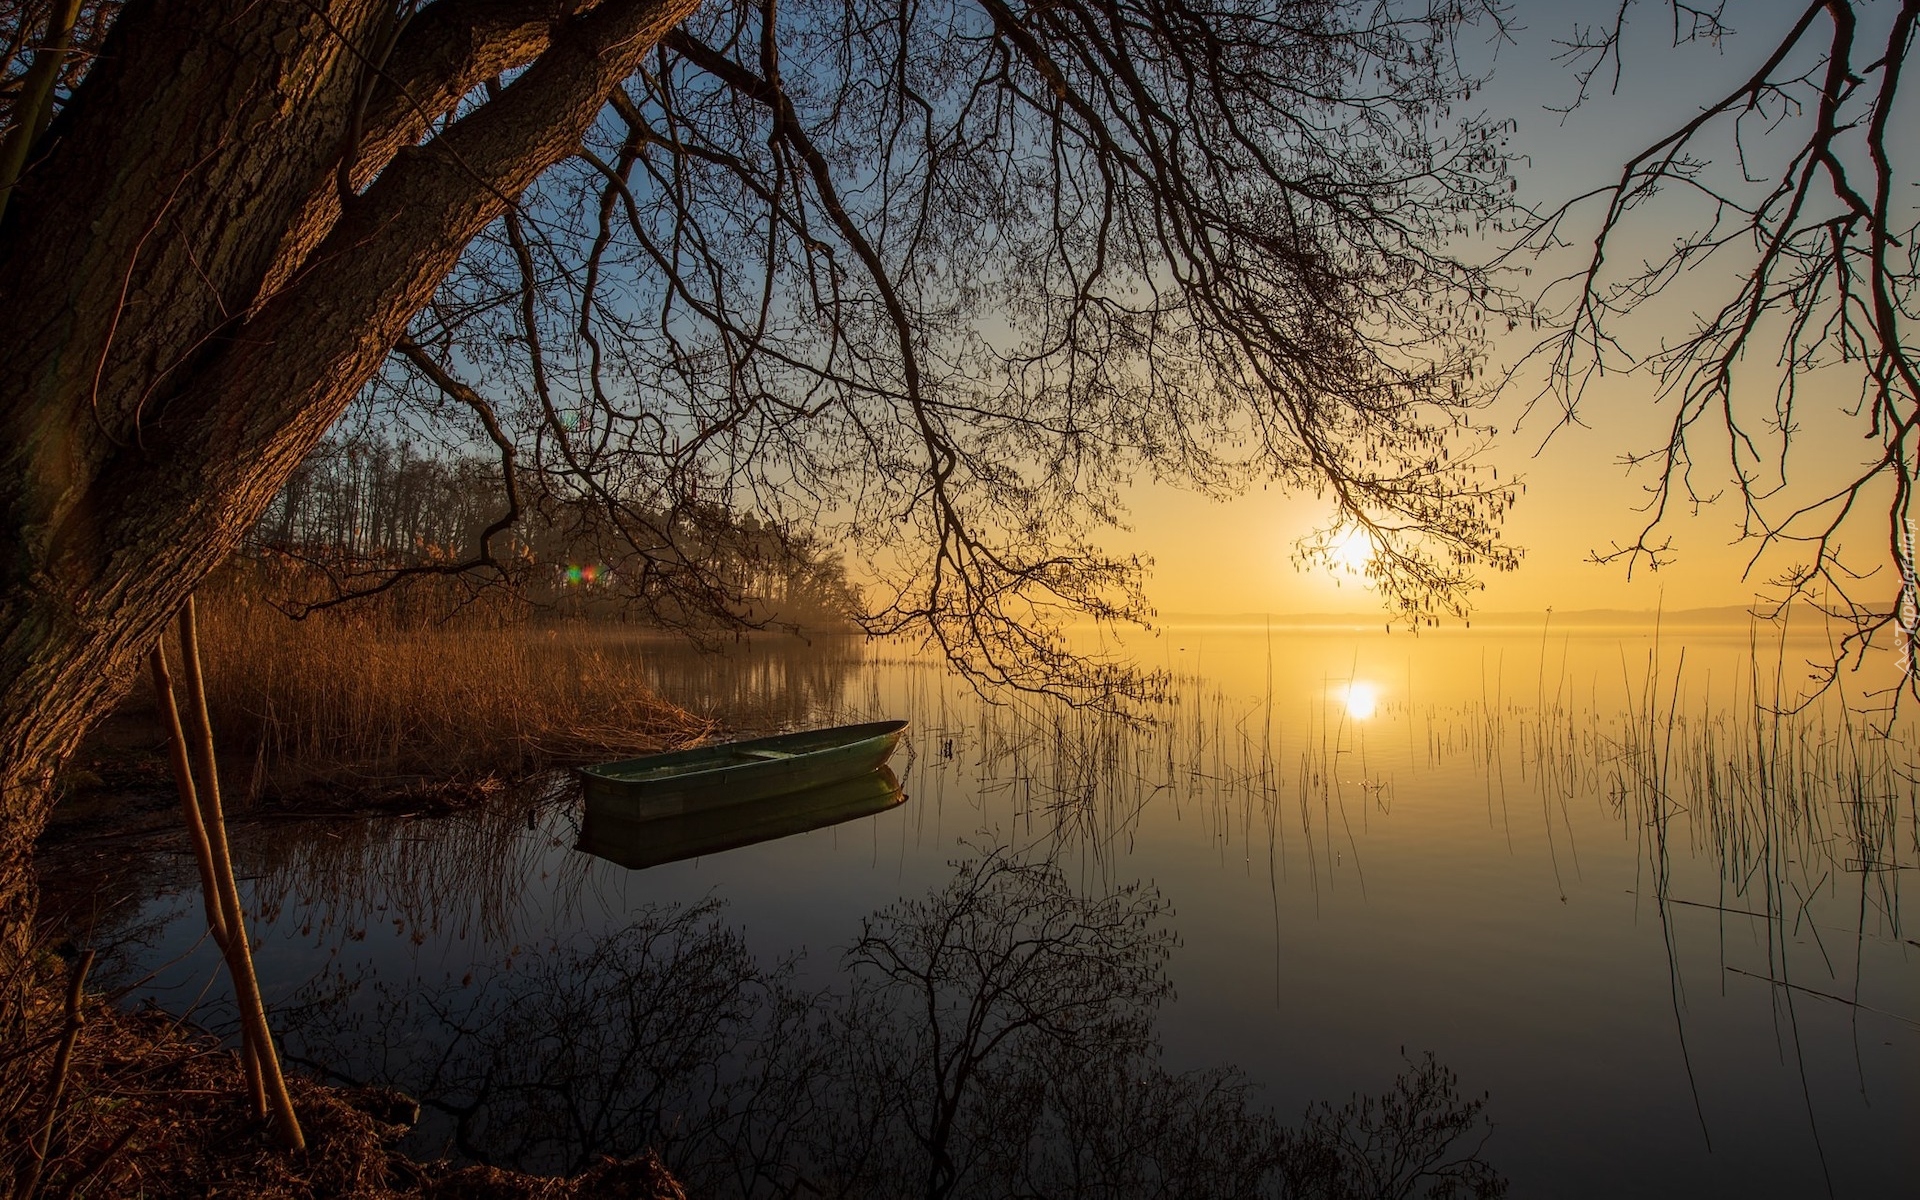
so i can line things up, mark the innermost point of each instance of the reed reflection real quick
(757, 684)
(1746, 811)
(1532, 832)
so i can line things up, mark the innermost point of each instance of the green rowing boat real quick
(684, 781)
(649, 843)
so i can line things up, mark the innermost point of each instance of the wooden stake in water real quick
(203, 797)
(210, 894)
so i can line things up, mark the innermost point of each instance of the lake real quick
(1660, 929)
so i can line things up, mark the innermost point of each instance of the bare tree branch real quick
(1805, 207)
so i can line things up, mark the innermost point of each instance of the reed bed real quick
(1785, 802)
(361, 697)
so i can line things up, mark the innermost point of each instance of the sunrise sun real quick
(1352, 550)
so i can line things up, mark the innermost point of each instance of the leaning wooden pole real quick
(246, 987)
(210, 894)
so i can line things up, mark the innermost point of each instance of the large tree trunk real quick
(188, 304)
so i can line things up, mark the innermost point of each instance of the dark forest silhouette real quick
(945, 278)
(720, 285)
(364, 516)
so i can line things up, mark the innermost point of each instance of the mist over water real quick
(1660, 925)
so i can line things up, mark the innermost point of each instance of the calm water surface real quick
(1669, 939)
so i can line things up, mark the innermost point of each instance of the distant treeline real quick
(361, 511)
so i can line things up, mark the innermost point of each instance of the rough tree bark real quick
(189, 300)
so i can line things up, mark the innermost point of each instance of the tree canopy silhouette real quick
(940, 279)
(1781, 212)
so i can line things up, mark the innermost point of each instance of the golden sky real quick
(1236, 557)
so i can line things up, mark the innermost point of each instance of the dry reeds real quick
(359, 696)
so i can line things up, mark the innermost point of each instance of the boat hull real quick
(638, 844)
(712, 777)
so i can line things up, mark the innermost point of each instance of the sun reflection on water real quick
(1361, 698)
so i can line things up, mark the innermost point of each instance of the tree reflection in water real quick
(995, 1038)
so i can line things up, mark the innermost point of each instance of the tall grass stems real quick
(362, 698)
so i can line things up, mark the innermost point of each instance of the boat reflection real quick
(1626, 877)
(637, 844)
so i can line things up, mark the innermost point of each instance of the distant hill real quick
(1729, 615)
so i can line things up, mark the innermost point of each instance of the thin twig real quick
(76, 1017)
